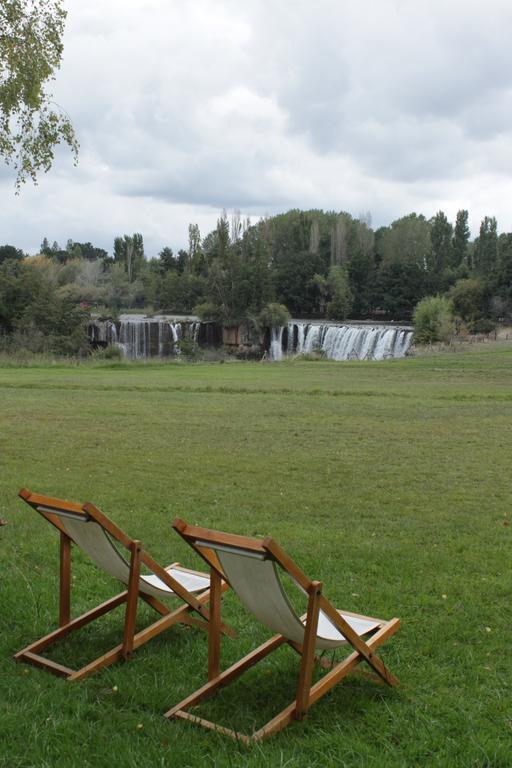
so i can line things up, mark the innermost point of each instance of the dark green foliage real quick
(362, 273)
(73, 250)
(460, 241)
(440, 257)
(33, 313)
(10, 252)
(407, 241)
(469, 299)
(485, 254)
(316, 264)
(294, 282)
(400, 286)
(87, 251)
(167, 260)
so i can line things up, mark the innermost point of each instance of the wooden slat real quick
(80, 621)
(65, 580)
(117, 653)
(107, 524)
(37, 499)
(357, 642)
(40, 661)
(343, 668)
(160, 625)
(214, 625)
(277, 723)
(287, 563)
(213, 726)
(194, 533)
(157, 606)
(229, 674)
(171, 582)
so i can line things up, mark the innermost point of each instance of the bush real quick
(483, 325)
(273, 315)
(469, 299)
(208, 311)
(188, 349)
(112, 352)
(433, 320)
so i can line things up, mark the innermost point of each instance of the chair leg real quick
(289, 713)
(308, 652)
(65, 580)
(214, 625)
(133, 596)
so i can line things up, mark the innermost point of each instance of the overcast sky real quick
(185, 107)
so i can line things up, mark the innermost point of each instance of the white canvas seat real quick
(252, 567)
(97, 544)
(100, 539)
(256, 582)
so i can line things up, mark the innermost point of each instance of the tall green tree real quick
(485, 255)
(441, 232)
(342, 299)
(407, 241)
(31, 125)
(460, 239)
(129, 251)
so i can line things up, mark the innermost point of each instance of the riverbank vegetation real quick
(316, 264)
(393, 489)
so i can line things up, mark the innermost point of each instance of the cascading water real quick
(347, 342)
(141, 337)
(135, 337)
(276, 343)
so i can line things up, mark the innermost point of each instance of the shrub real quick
(469, 299)
(483, 325)
(433, 320)
(273, 315)
(208, 311)
(112, 352)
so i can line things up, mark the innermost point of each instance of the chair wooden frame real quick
(306, 693)
(192, 612)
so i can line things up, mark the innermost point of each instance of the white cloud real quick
(183, 108)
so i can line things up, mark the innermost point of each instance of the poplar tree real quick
(460, 240)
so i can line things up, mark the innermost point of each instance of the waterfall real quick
(348, 342)
(276, 343)
(141, 337)
(113, 332)
(135, 337)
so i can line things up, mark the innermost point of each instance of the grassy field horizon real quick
(389, 481)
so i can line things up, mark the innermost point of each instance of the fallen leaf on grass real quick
(2, 521)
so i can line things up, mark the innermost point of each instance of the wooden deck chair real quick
(251, 568)
(98, 537)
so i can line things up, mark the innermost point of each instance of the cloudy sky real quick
(185, 107)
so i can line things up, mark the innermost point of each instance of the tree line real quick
(307, 263)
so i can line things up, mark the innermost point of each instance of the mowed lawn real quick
(390, 482)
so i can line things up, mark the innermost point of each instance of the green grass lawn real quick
(389, 481)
